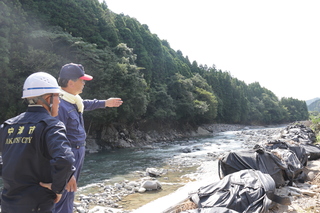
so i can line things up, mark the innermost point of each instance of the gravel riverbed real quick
(190, 172)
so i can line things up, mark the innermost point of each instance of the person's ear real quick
(47, 97)
(70, 83)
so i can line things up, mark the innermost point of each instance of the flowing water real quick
(120, 164)
(124, 164)
(113, 166)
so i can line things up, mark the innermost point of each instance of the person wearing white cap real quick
(72, 80)
(36, 154)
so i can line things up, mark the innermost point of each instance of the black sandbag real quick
(299, 150)
(293, 168)
(281, 165)
(299, 133)
(243, 191)
(263, 161)
(313, 151)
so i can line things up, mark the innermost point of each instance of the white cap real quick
(38, 84)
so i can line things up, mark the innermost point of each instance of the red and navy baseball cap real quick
(74, 71)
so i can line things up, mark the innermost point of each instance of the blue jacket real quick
(69, 115)
(34, 149)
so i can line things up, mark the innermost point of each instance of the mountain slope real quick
(312, 100)
(314, 106)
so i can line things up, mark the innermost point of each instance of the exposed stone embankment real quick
(112, 137)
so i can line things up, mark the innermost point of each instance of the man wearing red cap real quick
(72, 80)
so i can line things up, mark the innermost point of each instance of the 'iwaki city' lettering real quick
(25, 136)
(18, 140)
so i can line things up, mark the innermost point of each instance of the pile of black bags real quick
(249, 178)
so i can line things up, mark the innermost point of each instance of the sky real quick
(273, 42)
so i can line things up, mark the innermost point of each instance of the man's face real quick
(76, 87)
(79, 85)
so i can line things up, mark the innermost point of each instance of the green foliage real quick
(297, 110)
(315, 126)
(161, 106)
(180, 89)
(194, 103)
(155, 82)
(207, 105)
(314, 106)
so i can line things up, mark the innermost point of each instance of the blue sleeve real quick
(63, 114)
(93, 104)
(62, 161)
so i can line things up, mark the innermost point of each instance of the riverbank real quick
(304, 197)
(112, 137)
(110, 198)
(108, 195)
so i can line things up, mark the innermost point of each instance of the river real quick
(111, 167)
(122, 163)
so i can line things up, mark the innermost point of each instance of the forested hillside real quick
(156, 83)
(314, 106)
(311, 101)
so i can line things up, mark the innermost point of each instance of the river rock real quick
(80, 209)
(124, 144)
(202, 131)
(153, 172)
(151, 185)
(92, 146)
(142, 190)
(100, 209)
(186, 150)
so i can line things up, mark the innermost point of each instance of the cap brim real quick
(86, 77)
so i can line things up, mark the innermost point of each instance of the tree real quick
(156, 82)
(161, 106)
(297, 109)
